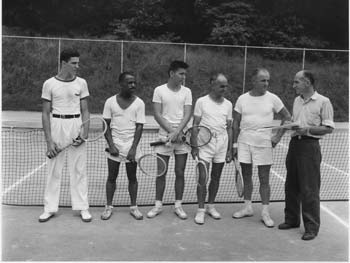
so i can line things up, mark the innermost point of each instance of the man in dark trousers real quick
(314, 113)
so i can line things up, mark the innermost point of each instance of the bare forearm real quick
(137, 136)
(47, 126)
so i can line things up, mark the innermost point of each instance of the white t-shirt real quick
(123, 121)
(213, 115)
(257, 112)
(172, 102)
(65, 96)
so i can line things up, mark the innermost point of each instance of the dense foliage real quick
(289, 23)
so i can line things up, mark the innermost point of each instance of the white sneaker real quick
(85, 215)
(180, 212)
(45, 217)
(135, 212)
(154, 211)
(246, 211)
(199, 218)
(266, 219)
(213, 213)
(107, 213)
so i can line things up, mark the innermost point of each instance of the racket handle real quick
(157, 143)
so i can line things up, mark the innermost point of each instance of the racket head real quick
(201, 172)
(97, 128)
(152, 165)
(197, 136)
(238, 178)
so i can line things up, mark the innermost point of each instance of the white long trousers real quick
(63, 131)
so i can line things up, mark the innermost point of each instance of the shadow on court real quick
(167, 238)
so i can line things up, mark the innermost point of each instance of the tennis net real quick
(24, 172)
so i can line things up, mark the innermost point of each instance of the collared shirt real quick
(315, 111)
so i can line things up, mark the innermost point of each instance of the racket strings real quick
(152, 165)
(198, 136)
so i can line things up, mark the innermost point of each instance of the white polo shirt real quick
(65, 95)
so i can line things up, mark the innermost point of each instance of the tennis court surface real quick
(165, 237)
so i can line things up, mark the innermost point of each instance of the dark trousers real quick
(303, 183)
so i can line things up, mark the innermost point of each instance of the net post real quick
(303, 66)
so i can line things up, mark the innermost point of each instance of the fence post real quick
(58, 56)
(121, 56)
(244, 67)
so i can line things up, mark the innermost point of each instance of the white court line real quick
(325, 209)
(322, 163)
(8, 189)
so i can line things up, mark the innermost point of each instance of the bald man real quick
(253, 109)
(314, 113)
(214, 112)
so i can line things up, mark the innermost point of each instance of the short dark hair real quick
(309, 75)
(123, 75)
(68, 53)
(177, 64)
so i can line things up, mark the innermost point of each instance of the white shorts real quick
(256, 155)
(215, 151)
(123, 146)
(171, 148)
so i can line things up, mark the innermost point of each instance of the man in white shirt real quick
(172, 104)
(214, 112)
(66, 95)
(124, 114)
(256, 109)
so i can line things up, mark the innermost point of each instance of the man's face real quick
(178, 76)
(128, 85)
(261, 81)
(300, 84)
(220, 85)
(72, 65)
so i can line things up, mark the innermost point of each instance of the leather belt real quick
(69, 116)
(304, 137)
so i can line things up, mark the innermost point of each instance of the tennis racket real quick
(276, 127)
(200, 168)
(195, 136)
(238, 178)
(96, 127)
(150, 164)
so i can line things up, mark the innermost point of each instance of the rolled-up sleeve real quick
(327, 114)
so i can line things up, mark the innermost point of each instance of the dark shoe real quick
(308, 236)
(285, 226)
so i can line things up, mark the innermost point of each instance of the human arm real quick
(285, 116)
(230, 139)
(108, 136)
(137, 136)
(52, 149)
(194, 150)
(85, 115)
(235, 131)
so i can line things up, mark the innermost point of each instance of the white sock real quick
(211, 206)
(248, 203)
(178, 203)
(133, 207)
(158, 203)
(201, 210)
(265, 209)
